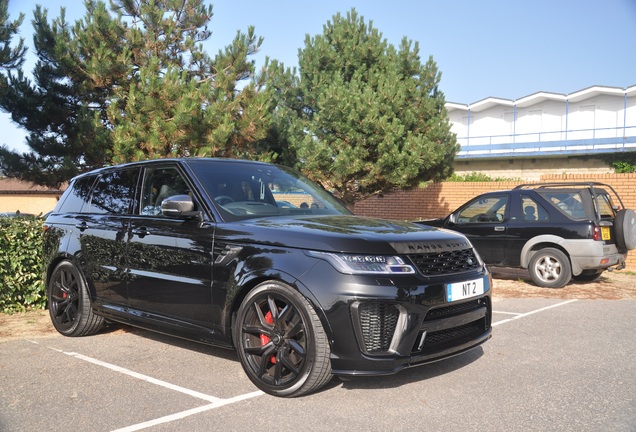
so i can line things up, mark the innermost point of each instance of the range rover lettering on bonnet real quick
(429, 246)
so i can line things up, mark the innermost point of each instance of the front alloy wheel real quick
(280, 341)
(550, 268)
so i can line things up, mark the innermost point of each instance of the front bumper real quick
(379, 326)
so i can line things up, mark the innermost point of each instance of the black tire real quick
(70, 303)
(280, 341)
(625, 229)
(588, 275)
(550, 268)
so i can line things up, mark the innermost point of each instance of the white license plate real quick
(462, 290)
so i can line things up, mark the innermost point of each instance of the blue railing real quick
(580, 141)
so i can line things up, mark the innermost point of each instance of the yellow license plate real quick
(605, 233)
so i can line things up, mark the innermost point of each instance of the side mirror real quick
(452, 219)
(179, 206)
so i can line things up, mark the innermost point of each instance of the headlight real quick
(365, 264)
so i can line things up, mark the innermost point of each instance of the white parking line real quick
(183, 414)
(216, 402)
(142, 377)
(523, 315)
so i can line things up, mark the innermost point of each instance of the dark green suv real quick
(558, 231)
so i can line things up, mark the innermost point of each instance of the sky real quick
(483, 48)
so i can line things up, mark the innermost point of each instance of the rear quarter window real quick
(570, 203)
(77, 195)
(576, 205)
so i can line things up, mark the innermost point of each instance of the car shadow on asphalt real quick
(406, 376)
(508, 273)
(199, 347)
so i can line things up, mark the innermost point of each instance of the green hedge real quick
(21, 282)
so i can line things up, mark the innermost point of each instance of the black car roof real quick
(184, 160)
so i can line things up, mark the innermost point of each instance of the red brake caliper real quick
(266, 339)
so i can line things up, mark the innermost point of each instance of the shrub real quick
(622, 162)
(479, 177)
(21, 282)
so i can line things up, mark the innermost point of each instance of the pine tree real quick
(367, 117)
(132, 81)
(52, 110)
(10, 58)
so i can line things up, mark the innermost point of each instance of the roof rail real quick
(590, 185)
(559, 184)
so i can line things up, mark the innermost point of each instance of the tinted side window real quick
(605, 208)
(570, 203)
(114, 191)
(77, 196)
(532, 210)
(159, 184)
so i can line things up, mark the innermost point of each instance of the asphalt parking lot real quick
(566, 365)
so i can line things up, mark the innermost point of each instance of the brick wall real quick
(439, 199)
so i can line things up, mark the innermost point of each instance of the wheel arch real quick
(248, 283)
(48, 271)
(535, 244)
(54, 262)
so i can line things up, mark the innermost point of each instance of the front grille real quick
(443, 263)
(452, 335)
(377, 322)
(452, 309)
(438, 333)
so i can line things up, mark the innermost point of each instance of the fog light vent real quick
(378, 322)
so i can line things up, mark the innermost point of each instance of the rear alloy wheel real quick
(550, 268)
(70, 303)
(280, 341)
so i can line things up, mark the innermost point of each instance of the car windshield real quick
(244, 190)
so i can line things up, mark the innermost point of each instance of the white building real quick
(544, 133)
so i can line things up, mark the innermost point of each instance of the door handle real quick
(500, 228)
(141, 232)
(82, 226)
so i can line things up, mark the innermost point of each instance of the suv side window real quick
(114, 191)
(532, 210)
(77, 196)
(160, 183)
(570, 203)
(484, 210)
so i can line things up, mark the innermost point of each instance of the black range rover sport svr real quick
(255, 257)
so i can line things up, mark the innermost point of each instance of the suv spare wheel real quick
(625, 228)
